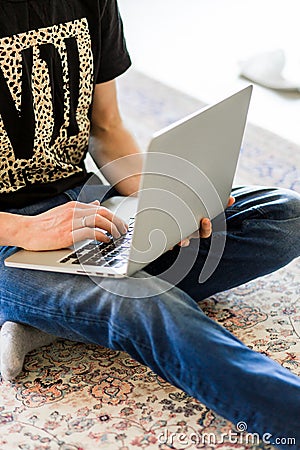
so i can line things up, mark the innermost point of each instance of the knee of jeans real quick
(277, 229)
(287, 203)
(286, 225)
(291, 214)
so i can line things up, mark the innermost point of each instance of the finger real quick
(104, 212)
(95, 202)
(117, 221)
(97, 221)
(184, 243)
(231, 201)
(205, 228)
(89, 233)
(101, 211)
(107, 225)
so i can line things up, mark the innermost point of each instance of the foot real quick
(16, 341)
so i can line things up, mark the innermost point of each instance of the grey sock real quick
(16, 341)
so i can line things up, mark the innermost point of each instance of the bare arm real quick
(61, 226)
(112, 146)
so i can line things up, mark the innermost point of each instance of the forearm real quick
(12, 229)
(116, 152)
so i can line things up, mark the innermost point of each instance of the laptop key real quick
(114, 262)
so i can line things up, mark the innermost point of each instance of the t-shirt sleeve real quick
(114, 58)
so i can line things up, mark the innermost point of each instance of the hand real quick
(205, 229)
(64, 225)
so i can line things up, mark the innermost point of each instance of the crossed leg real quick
(163, 327)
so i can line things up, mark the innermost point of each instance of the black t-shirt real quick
(52, 53)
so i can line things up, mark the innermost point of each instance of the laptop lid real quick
(187, 175)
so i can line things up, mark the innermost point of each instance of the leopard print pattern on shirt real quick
(49, 161)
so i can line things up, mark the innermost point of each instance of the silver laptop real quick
(187, 175)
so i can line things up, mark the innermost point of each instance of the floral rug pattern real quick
(72, 396)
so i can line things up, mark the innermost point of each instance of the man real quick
(57, 92)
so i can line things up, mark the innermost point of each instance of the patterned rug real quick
(82, 397)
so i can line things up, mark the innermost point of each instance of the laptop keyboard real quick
(103, 254)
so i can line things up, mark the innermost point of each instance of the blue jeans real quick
(168, 331)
